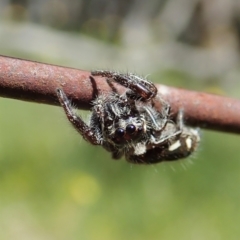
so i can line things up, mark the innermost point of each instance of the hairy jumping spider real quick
(129, 124)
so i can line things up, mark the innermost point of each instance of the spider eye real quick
(130, 129)
(119, 132)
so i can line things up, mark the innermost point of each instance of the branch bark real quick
(37, 82)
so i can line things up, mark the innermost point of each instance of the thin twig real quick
(37, 82)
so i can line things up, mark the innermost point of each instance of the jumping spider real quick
(129, 125)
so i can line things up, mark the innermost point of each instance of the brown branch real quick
(37, 82)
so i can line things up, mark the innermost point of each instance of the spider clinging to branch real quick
(129, 125)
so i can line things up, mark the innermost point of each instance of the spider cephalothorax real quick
(129, 125)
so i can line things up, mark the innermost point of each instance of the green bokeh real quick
(53, 185)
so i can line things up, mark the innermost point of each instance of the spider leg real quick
(140, 86)
(158, 120)
(170, 131)
(87, 133)
(116, 153)
(109, 81)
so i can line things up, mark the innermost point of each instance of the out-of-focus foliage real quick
(53, 185)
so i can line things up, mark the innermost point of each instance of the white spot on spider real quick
(189, 143)
(140, 149)
(174, 146)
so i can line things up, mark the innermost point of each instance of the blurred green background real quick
(53, 185)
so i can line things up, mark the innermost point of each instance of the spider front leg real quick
(172, 130)
(158, 119)
(87, 133)
(116, 153)
(140, 87)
